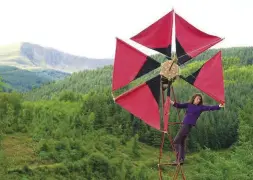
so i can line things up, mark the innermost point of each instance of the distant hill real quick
(244, 53)
(23, 80)
(81, 82)
(32, 56)
(24, 66)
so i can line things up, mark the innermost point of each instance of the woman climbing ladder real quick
(193, 110)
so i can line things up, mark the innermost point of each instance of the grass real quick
(19, 150)
(20, 154)
(10, 55)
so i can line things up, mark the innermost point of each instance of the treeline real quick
(107, 115)
(81, 82)
(245, 54)
(21, 80)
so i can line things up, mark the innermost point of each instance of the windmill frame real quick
(190, 42)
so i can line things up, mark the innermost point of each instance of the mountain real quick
(24, 66)
(32, 56)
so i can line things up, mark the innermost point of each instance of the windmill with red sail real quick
(143, 101)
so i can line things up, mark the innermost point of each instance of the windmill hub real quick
(169, 70)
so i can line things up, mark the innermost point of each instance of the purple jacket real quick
(193, 111)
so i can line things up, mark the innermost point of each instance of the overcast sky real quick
(89, 27)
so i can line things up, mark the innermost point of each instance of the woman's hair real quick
(194, 96)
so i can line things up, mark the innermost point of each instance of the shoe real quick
(181, 161)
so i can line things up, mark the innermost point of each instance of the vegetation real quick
(72, 129)
(24, 80)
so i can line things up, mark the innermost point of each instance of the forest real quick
(72, 129)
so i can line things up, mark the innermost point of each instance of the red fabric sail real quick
(190, 41)
(157, 36)
(209, 78)
(142, 102)
(130, 64)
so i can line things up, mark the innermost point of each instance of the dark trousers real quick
(179, 140)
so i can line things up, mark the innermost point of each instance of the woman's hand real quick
(222, 105)
(171, 102)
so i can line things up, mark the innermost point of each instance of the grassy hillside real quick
(20, 74)
(10, 55)
(24, 66)
(72, 129)
(32, 56)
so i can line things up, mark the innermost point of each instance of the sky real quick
(89, 27)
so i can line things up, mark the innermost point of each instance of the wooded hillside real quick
(72, 129)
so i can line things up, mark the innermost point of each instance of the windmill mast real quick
(173, 44)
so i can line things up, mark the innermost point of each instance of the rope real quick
(178, 168)
(163, 133)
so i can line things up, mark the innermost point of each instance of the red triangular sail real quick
(142, 102)
(209, 78)
(157, 36)
(130, 64)
(191, 41)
